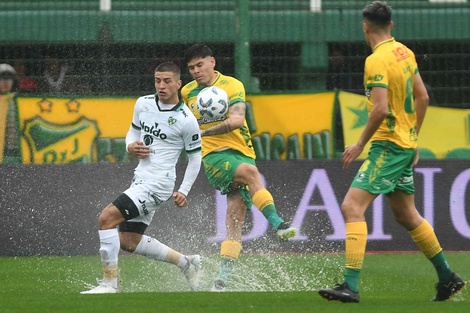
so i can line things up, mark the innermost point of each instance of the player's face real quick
(202, 70)
(5, 85)
(167, 85)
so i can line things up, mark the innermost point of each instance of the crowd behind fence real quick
(295, 49)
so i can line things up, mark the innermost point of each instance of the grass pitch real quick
(261, 283)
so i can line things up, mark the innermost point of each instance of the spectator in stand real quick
(55, 77)
(26, 84)
(337, 76)
(9, 133)
(60, 79)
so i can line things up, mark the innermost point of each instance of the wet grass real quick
(261, 283)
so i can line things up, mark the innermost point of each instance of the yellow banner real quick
(444, 134)
(295, 126)
(3, 123)
(354, 116)
(61, 130)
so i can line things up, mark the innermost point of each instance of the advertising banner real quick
(53, 210)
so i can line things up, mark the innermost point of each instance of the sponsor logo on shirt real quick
(153, 130)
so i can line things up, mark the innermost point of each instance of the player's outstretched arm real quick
(192, 170)
(235, 120)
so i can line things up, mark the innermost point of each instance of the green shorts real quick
(220, 169)
(387, 167)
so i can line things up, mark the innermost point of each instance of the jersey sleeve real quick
(192, 135)
(192, 143)
(135, 117)
(236, 91)
(375, 73)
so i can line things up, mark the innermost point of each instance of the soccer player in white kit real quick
(162, 127)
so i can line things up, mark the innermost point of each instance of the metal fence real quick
(110, 47)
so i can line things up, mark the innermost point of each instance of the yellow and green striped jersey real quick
(393, 66)
(238, 139)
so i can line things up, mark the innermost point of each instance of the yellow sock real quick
(262, 199)
(230, 249)
(425, 238)
(356, 240)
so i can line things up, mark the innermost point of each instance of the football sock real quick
(356, 240)
(226, 268)
(230, 249)
(351, 276)
(182, 262)
(109, 251)
(152, 248)
(264, 201)
(444, 273)
(229, 252)
(425, 238)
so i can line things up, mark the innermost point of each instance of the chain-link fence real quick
(110, 47)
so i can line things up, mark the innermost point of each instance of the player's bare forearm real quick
(421, 100)
(218, 129)
(234, 121)
(377, 114)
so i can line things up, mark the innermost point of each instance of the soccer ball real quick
(212, 103)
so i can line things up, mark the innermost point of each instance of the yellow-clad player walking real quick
(397, 106)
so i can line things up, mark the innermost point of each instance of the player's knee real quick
(248, 174)
(127, 243)
(408, 219)
(350, 211)
(109, 218)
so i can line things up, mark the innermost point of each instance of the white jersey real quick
(167, 132)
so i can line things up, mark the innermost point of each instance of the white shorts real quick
(148, 196)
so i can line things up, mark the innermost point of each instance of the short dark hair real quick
(378, 13)
(198, 50)
(169, 67)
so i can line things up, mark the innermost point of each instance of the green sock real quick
(351, 277)
(443, 270)
(270, 213)
(226, 267)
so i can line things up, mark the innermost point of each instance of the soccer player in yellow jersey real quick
(397, 106)
(229, 158)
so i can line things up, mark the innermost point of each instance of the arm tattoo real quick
(237, 116)
(219, 129)
(227, 126)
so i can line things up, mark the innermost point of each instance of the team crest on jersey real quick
(148, 140)
(172, 121)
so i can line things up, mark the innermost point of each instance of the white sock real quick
(182, 262)
(109, 246)
(152, 248)
(109, 252)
